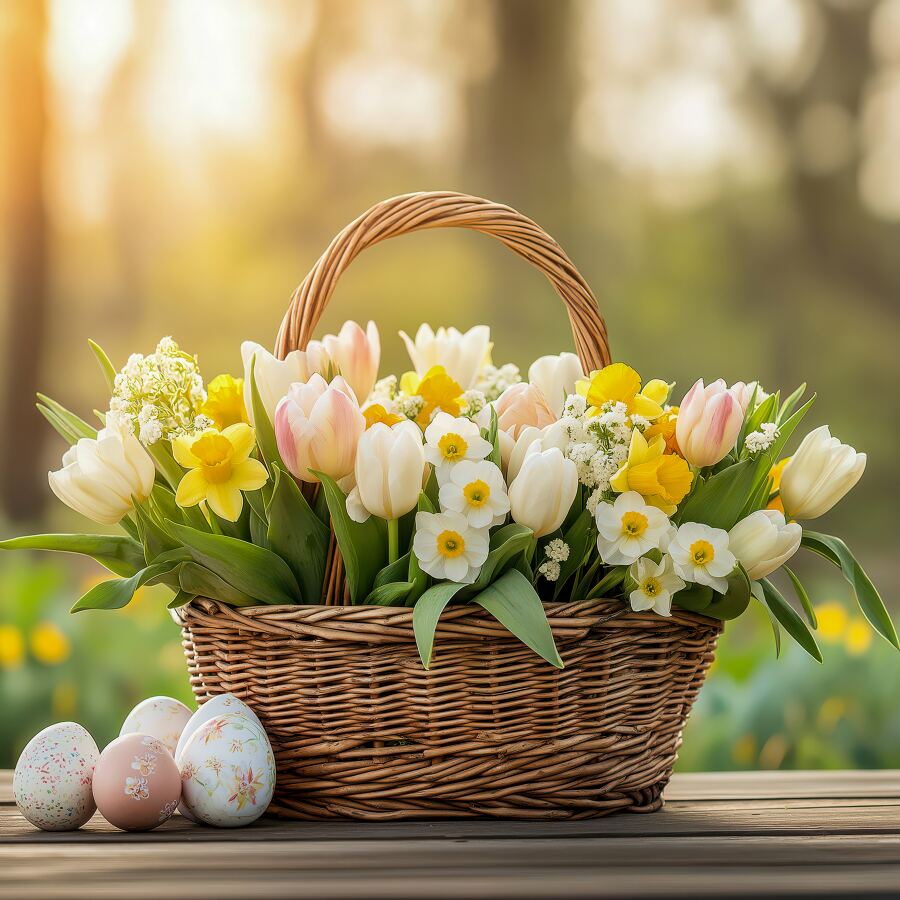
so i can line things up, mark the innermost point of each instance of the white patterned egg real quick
(227, 771)
(52, 781)
(161, 717)
(220, 705)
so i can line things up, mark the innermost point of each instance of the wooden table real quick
(737, 835)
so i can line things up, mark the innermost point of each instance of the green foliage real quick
(121, 555)
(789, 620)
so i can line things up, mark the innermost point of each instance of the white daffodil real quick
(450, 440)
(701, 555)
(656, 583)
(477, 491)
(448, 547)
(628, 528)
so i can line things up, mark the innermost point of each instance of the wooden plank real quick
(688, 820)
(502, 868)
(783, 785)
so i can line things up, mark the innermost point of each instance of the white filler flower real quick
(628, 528)
(656, 583)
(448, 547)
(701, 555)
(477, 491)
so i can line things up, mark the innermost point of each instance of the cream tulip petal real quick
(250, 475)
(225, 500)
(242, 438)
(191, 489)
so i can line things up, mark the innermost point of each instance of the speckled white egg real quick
(52, 781)
(161, 717)
(220, 705)
(227, 771)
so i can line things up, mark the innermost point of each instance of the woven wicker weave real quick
(361, 730)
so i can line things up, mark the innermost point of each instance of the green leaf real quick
(803, 597)
(695, 598)
(119, 554)
(108, 369)
(789, 619)
(395, 571)
(734, 601)
(393, 594)
(198, 581)
(768, 458)
(838, 553)
(259, 531)
(506, 544)
(252, 570)
(257, 503)
(297, 535)
(155, 538)
(426, 614)
(492, 435)
(181, 598)
(75, 425)
(579, 538)
(363, 545)
(118, 593)
(719, 501)
(790, 402)
(513, 601)
(612, 579)
(757, 592)
(58, 425)
(265, 433)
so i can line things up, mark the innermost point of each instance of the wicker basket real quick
(360, 730)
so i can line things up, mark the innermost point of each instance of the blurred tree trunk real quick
(23, 76)
(520, 129)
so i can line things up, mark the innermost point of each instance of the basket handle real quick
(446, 209)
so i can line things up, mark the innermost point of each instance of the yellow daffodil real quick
(220, 468)
(775, 475)
(438, 391)
(375, 412)
(664, 427)
(225, 401)
(12, 647)
(662, 479)
(619, 383)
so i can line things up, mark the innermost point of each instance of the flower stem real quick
(393, 540)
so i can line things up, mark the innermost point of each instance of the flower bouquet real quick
(320, 527)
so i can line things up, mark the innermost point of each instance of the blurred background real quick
(725, 175)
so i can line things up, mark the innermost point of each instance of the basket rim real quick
(370, 624)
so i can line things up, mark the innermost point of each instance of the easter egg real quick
(220, 705)
(161, 717)
(227, 771)
(137, 785)
(52, 780)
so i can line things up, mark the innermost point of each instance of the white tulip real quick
(514, 450)
(99, 477)
(390, 465)
(819, 474)
(461, 355)
(543, 491)
(763, 542)
(274, 376)
(556, 377)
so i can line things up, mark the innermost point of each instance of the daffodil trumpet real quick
(514, 489)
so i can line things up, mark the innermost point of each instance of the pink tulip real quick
(356, 355)
(317, 426)
(744, 390)
(708, 423)
(522, 405)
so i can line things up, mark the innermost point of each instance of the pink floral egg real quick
(161, 717)
(52, 781)
(136, 783)
(227, 771)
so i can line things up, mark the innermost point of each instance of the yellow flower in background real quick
(49, 645)
(619, 383)
(220, 468)
(831, 712)
(743, 750)
(438, 391)
(832, 619)
(858, 637)
(664, 427)
(663, 480)
(12, 647)
(63, 699)
(225, 401)
(375, 413)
